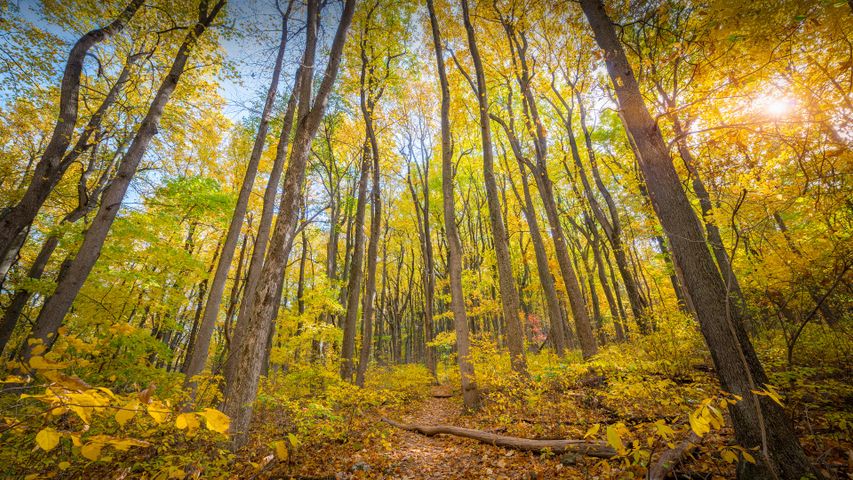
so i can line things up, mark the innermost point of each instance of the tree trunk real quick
(546, 193)
(71, 280)
(199, 354)
(356, 272)
(49, 170)
(758, 420)
(245, 362)
(506, 278)
(470, 394)
(546, 279)
(368, 308)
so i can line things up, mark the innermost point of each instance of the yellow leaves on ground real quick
(216, 420)
(592, 430)
(47, 439)
(281, 452)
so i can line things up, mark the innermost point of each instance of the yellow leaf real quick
(729, 456)
(749, 458)
(64, 465)
(91, 450)
(47, 439)
(124, 444)
(75, 440)
(215, 420)
(157, 411)
(592, 430)
(698, 424)
(281, 450)
(614, 439)
(38, 363)
(127, 412)
(187, 421)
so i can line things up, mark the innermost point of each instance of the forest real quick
(426, 239)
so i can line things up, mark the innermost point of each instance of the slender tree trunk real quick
(49, 170)
(199, 354)
(518, 45)
(356, 272)
(758, 420)
(368, 308)
(506, 278)
(245, 362)
(470, 394)
(202, 290)
(56, 306)
(86, 202)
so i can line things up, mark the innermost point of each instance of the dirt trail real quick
(416, 456)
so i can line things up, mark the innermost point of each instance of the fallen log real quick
(672, 457)
(583, 447)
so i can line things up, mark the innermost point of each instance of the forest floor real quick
(635, 393)
(416, 456)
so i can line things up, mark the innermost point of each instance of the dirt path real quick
(407, 455)
(416, 456)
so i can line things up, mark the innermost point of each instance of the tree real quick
(201, 342)
(71, 280)
(54, 162)
(509, 293)
(245, 362)
(470, 394)
(758, 420)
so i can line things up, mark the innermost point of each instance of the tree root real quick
(583, 447)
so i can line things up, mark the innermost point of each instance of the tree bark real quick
(244, 366)
(49, 170)
(71, 280)
(546, 279)
(470, 393)
(506, 278)
(758, 420)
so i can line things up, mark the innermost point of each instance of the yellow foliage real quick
(47, 439)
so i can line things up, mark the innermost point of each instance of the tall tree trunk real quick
(518, 45)
(86, 202)
(368, 104)
(546, 278)
(202, 290)
(425, 237)
(506, 278)
(470, 394)
(15, 221)
(711, 228)
(356, 271)
(256, 261)
(758, 420)
(56, 306)
(199, 354)
(245, 362)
